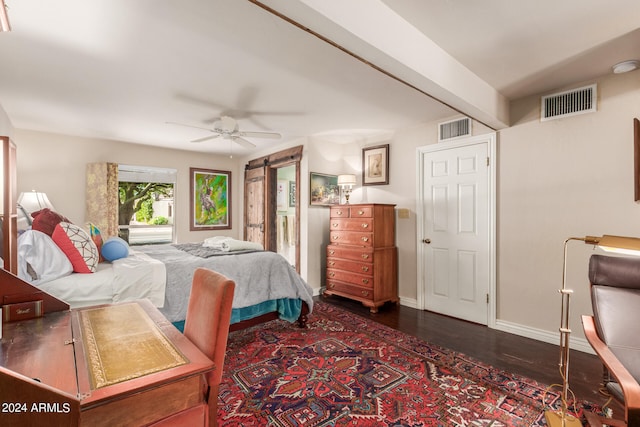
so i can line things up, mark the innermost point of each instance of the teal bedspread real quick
(288, 309)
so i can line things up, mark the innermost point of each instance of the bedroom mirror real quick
(286, 213)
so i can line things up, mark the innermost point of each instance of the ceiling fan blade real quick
(189, 126)
(243, 142)
(271, 135)
(206, 138)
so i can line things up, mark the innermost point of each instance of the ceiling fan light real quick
(626, 66)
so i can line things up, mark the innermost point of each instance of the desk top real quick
(97, 352)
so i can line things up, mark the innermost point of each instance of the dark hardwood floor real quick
(524, 356)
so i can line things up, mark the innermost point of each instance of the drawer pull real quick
(365, 239)
(332, 252)
(365, 268)
(332, 263)
(365, 293)
(339, 213)
(336, 237)
(365, 281)
(332, 274)
(335, 224)
(360, 212)
(364, 256)
(365, 225)
(332, 285)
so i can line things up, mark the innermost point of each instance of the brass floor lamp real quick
(618, 244)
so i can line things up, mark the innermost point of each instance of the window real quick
(145, 205)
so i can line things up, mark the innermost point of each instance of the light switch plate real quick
(403, 213)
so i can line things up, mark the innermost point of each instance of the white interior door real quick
(456, 241)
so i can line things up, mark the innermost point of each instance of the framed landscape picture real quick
(210, 199)
(323, 189)
(375, 165)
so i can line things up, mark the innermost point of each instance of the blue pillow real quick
(115, 248)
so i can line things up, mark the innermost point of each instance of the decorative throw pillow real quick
(45, 220)
(77, 246)
(97, 239)
(115, 248)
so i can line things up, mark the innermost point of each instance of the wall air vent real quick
(569, 103)
(454, 129)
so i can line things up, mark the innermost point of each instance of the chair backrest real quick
(208, 317)
(615, 298)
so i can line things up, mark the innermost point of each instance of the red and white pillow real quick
(77, 246)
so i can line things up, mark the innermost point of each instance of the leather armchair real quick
(614, 332)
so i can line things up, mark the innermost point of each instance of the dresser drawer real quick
(355, 211)
(355, 254)
(348, 277)
(349, 289)
(361, 212)
(339, 212)
(351, 238)
(351, 224)
(353, 266)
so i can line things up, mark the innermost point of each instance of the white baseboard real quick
(409, 302)
(575, 343)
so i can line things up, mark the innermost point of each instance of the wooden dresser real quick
(362, 259)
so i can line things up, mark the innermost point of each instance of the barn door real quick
(261, 212)
(254, 202)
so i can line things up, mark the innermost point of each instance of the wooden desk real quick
(45, 378)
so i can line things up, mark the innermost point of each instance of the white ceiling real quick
(120, 69)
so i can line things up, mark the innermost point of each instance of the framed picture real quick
(323, 189)
(375, 165)
(292, 194)
(210, 199)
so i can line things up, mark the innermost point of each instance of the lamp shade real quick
(619, 244)
(344, 180)
(33, 201)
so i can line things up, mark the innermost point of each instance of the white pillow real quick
(40, 260)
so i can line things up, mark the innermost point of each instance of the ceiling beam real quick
(373, 33)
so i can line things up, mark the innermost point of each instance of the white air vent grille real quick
(454, 129)
(569, 103)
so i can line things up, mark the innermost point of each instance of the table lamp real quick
(346, 183)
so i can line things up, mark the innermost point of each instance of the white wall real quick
(559, 179)
(55, 164)
(6, 128)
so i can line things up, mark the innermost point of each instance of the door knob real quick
(427, 241)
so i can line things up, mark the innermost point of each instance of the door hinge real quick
(487, 298)
(487, 161)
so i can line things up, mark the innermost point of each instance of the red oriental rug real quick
(345, 370)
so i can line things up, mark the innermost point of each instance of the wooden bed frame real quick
(244, 324)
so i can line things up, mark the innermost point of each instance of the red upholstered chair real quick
(207, 326)
(614, 332)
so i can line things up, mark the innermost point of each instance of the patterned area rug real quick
(345, 370)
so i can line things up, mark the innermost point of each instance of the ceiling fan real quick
(227, 128)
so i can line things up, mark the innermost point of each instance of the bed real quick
(265, 281)
(267, 286)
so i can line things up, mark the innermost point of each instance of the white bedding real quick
(134, 277)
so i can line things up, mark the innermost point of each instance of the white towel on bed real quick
(229, 244)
